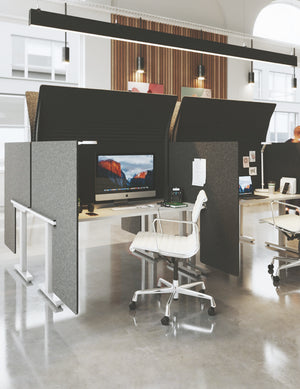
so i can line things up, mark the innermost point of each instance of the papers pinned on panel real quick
(199, 172)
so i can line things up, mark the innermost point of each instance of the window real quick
(38, 59)
(280, 86)
(13, 121)
(257, 84)
(279, 21)
(282, 126)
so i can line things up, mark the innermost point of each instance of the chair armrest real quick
(286, 204)
(282, 203)
(172, 221)
(195, 226)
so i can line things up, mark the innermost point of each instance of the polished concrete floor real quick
(252, 342)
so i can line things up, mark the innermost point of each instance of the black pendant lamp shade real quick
(251, 78)
(140, 67)
(201, 72)
(66, 54)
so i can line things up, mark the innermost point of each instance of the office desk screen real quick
(124, 177)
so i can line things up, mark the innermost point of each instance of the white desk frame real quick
(248, 203)
(103, 214)
(22, 268)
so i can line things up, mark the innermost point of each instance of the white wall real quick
(235, 15)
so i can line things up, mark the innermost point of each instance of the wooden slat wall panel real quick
(172, 68)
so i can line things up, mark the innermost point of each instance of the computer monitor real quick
(245, 185)
(122, 177)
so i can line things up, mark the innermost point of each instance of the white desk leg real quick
(47, 290)
(143, 223)
(143, 275)
(22, 267)
(281, 238)
(243, 238)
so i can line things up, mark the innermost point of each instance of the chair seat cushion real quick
(168, 245)
(290, 223)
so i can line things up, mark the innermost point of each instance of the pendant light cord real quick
(140, 44)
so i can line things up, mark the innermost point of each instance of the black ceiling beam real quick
(134, 34)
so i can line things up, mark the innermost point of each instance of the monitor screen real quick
(124, 177)
(245, 185)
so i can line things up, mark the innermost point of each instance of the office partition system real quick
(47, 170)
(219, 228)
(46, 174)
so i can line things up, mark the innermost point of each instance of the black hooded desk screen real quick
(215, 120)
(65, 113)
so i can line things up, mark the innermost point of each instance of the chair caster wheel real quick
(211, 311)
(132, 305)
(270, 269)
(165, 321)
(276, 281)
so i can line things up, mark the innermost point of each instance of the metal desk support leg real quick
(47, 290)
(22, 267)
(243, 238)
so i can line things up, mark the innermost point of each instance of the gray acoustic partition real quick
(54, 195)
(220, 221)
(17, 186)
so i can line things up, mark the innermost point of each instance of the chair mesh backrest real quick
(199, 204)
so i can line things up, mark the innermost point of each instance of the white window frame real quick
(26, 52)
(281, 105)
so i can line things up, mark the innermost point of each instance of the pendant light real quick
(201, 67)
(140, 64)
(251, 79)
(66, 49)
(294, 79)
(154, 38)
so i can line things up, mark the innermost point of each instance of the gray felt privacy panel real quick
(219, 223)
(17, 186)
(54, 195)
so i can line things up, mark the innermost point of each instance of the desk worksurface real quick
(128, 211)
(276, 196)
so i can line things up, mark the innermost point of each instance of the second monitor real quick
(122, 177)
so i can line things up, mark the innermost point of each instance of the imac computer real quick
(124, 177)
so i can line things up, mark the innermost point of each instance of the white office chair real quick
(176, 247)
(289, 225)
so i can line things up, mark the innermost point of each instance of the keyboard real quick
(124, 208)
(251, 197)
(133, 207)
